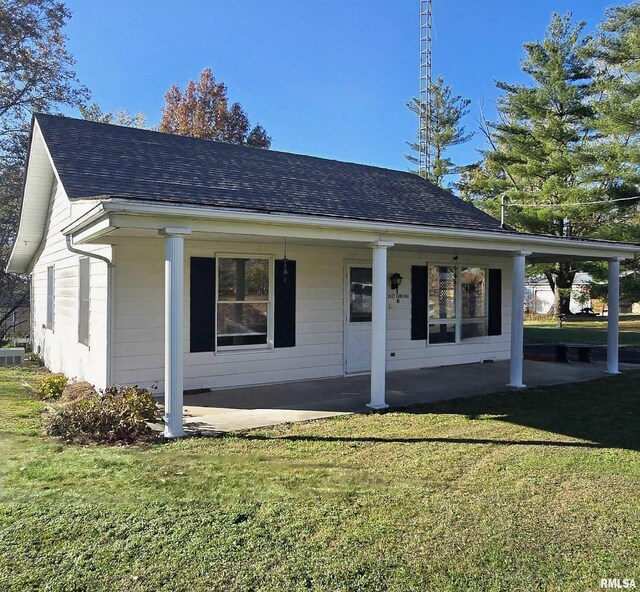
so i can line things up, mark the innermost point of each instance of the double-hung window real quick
(456, 302)
(243, 302)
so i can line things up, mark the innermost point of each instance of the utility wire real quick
(569, 205)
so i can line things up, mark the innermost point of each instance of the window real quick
(360, 288)
(441, 298)
(50, 296)
(456, 303)
(474, 302)
(243, 302)
(83, 300)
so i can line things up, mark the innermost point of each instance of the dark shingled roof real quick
(96, 160)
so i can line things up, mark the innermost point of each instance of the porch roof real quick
(112, 220)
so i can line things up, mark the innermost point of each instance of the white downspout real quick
(109, 378)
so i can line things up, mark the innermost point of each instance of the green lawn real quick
(582, 330)
(534, 490)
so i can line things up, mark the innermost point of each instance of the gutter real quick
(85, 219)
(519, 240)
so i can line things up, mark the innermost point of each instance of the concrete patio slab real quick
(260, 406)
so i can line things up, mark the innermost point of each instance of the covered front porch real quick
(227, 410)
(154, 251)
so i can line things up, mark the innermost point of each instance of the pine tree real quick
(93, 112)
(446, 130)
(202, 111)
(543, 149)
(616, 54)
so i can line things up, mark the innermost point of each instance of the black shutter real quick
(203, 304)
(418, 302)
(284, 322)
(495, 302)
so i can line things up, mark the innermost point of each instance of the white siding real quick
(415, 354)
(139, 318)
(59, 347)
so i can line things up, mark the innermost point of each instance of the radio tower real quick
(425, 88)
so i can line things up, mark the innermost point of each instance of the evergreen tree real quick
(93, 112)
(544, 149)
(202, 111)
(446, 130)
(616, 54)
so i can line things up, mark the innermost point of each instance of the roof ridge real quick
(234, 146)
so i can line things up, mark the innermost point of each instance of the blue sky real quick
(328, 78)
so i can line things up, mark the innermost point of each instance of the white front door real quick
(358, 319)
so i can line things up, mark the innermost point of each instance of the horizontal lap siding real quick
(139, 320)
(60, 348)
(416, 354)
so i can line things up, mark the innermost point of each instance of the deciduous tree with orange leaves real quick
(203, 111)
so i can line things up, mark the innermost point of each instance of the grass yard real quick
(582, 330)
(534, 490)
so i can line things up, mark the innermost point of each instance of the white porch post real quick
(517, 320)
(379, 325)
(173, 330)
(613, 317)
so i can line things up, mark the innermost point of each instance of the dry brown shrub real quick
(78, 390)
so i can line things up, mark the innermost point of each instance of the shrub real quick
(118, 415)
(50, 386)
(78, 390)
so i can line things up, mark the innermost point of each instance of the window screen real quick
(83, 299)
(474, 302)
(50, 296)
(243, 301)
(360, 294)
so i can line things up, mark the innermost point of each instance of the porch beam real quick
(517, 320)
(613, 316)
(174, 330)
(379, 324)
(207, 220)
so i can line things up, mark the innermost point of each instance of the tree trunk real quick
(560, 281)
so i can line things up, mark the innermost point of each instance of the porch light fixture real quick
(396, 280)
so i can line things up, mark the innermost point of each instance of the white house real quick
(539, 297)
(198, 264)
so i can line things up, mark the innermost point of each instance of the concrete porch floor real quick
(259, 406)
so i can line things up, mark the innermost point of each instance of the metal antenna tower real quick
(424, 98)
